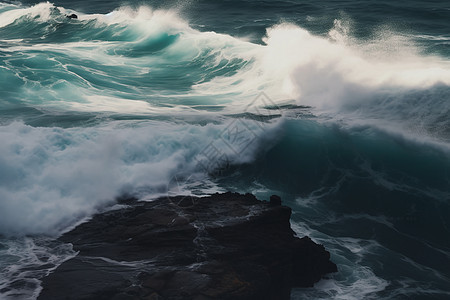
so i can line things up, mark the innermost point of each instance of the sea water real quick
(340, 107)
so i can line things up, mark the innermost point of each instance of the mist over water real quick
(344, 115)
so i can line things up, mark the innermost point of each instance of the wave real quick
(53, 177)
(145, 93)
(352, 133)
(153, 48)
(11, 13)
(127, 58)
(384, 83)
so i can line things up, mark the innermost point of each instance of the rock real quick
(225, 246)
(275, 200)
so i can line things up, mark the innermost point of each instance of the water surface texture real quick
(340, 107)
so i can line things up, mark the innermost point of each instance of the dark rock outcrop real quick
(226, 246)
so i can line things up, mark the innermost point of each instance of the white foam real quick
(41, 11)
(386, 83)
(53, 177)
(25, 261)
(364, 284)
(353, 281)
(324, 71)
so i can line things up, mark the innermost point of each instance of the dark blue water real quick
(340, 107)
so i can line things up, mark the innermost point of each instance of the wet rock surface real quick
(225, 246)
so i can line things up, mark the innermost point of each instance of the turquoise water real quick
(340, 107)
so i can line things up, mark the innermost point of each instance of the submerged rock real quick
(225, 246)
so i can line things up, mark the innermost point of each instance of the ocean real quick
(340, 107)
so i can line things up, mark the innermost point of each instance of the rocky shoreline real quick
(225, 246)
